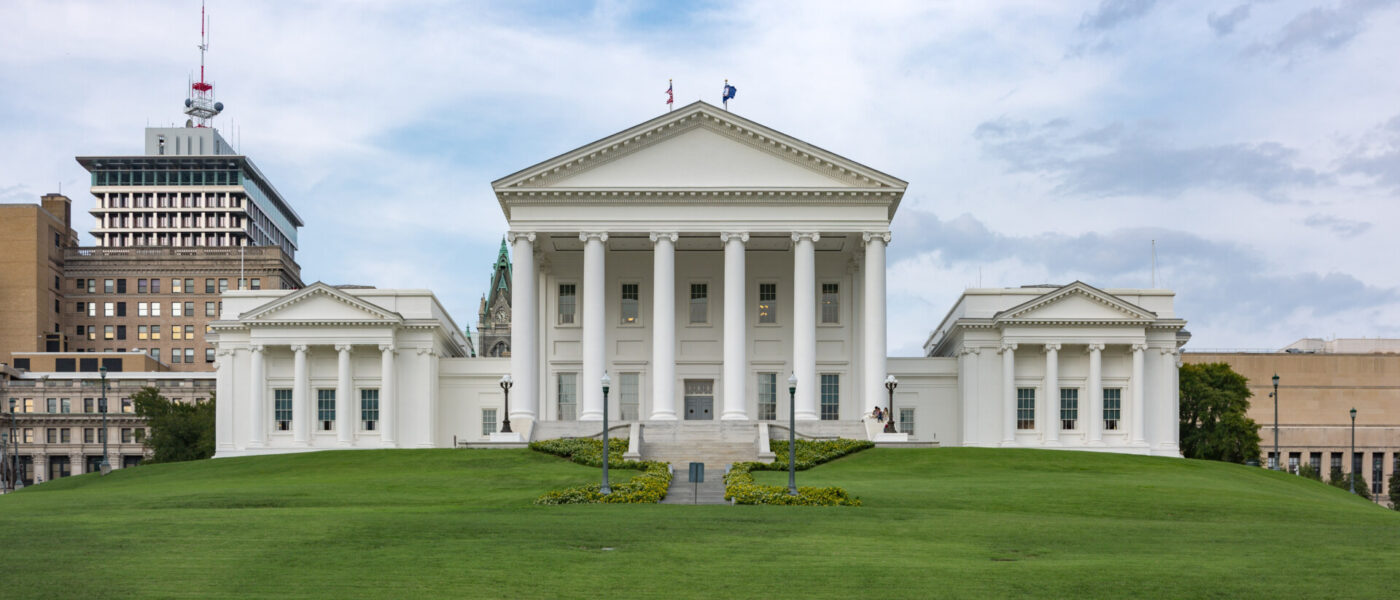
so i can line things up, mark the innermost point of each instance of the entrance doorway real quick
(699, 399)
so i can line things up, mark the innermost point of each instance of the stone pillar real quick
(344, 403)
(735, 327)
(257, 385)
(969, 384)
(301, 388)
(523, 317)
(433, 400)
(804, 324)
(427, 417)
(1051, 414)
(224, 411)
(1168, 414)
(595, 340)
(1095, 418)
(1138, 414)
(1008, 392)
(663, 334)
(388, 396)
(874, 326)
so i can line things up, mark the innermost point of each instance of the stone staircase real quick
(682, 491)
(715, 443)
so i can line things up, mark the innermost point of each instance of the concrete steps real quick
(711, 491)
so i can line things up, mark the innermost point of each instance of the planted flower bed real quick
(740, 486)
(647, 488)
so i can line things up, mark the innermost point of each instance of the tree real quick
(179, 431)
(1214, 423)
(1343, 481)
(1395, 490)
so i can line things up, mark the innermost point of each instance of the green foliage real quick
(179, 431)
(1214, 424)
(739, 484)
(647, 488)
(1395, 490)
(1343, 481)
(1308, 471)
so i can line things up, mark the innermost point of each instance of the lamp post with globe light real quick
(606, 489)
(890, 384)
(792, 434)
(1353, 451)
(105, 467)
(506, 384)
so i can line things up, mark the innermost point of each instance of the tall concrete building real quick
(33, 238)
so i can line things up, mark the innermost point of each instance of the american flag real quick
(670, 95)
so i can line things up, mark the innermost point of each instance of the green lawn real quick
(460, 523)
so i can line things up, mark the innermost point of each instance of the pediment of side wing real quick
(319, 303)
(1076, 302)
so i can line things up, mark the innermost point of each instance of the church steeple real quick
(493, 328)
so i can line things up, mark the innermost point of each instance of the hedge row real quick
(740, 486)
(647, 488)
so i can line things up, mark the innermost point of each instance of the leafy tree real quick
(1343, 481)
(1214, 423)
(179, 431)
(1395, 490)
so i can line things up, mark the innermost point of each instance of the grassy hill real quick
(458, 523)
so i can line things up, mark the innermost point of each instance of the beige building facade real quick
(1316, 393)
(33, 238)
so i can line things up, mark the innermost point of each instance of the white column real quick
(663, 334)
(804, 323)
(433, 399)
(523, 355)
(1168, 414)
(736, 357)
(1050, 414)
(301, 388)
(224, 411)
(874, 325)
(388, 396)
(595, 345)
(344, 405)
(426, 423)
(1138, 415)
(1008, 393)
(257, 384)
(1095, 417)
(969, 384)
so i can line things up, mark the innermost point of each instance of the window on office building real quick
(223, 285)
(767, 396)
(155, 309)
(282, 409)
(369, 409)
(767, 303)
(831, 396)
(488, 421)
(209, 286)
(155, 286)
(109, 286)
(175, 287)
(568, 396)
(325, 409)
(121, 286)
(1025, 409)
(141, 286)
(189, 355)
(628, 396)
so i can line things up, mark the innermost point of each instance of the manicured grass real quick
(460, 523)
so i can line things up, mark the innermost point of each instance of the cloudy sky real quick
(1257, 142)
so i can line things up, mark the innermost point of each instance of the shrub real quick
(740, 486)
(1308, 471)
(1343, 480)
(647, 488)
(1395, 490)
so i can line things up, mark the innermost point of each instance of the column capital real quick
(1052, 347)
(742, 236)
(427, 351)
(585, 236)
(1007, 348)
(1168, 351)
(657, 236)
(389, 348)
(224, 351)
(875, 235)
(798, 236)
(966, 350)
(298, 348)
(1096, 347)
(343, 348)
(529, 236)
(1139, 347)
(255, 348)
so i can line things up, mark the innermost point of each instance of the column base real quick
(345, 444)
(1052, 444)
(663, 416)
(598, 416)
(735, 416)
(257, 444)
(801, 416)
(388, 444)
(1096, 444)
(1009, 444)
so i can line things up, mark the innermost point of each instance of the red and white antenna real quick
(200, 106)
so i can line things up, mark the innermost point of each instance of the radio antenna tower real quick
(200, 106)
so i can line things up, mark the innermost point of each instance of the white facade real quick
(699, 259)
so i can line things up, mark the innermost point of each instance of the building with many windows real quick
(699, 260)
(493, 318)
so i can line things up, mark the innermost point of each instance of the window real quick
(92, 309)
(208, 286)
(175, 356)
(127, 435)
(127, 406)
(89, 436)
(1025, 409)
(92, 286)
(155, 353)
(1315, 461)
(1069, 409)
(1377, 471)
(1294, 460)
(121, 309)
(109, 286)
(189, 355)
(65, 436)
(282, 409)
(51, 435)
(628, 397)
(488, 421)
(175, 285)
(1336, 463)
(767, 303)
(141, 286)
(65, 405)
(155, 309)
(699, 303)
(630, 303)
(209, 310)
(175, 310)
(52, 405)
(325, 409)
(155, 332)
(831, 303)
(189, 308)
(831, 396)
(155, 286)
(177, 333)
(568, 295)
(109, 309)
(767, 396)
(256, 283)
(28, 435)
(1112, 408)
(223, 285)
(89, 405)
(189, 286)
(906, 420)
(142, 310)
(369, 409)
(121, 286)
(208, 355)
(568, 396)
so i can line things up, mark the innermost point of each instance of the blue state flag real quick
(729, 91)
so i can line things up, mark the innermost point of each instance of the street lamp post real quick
(1277, 459)
(506, 384)
(105, 467)
(792, 434)
(14, 456)
(890, 384)
(1353, 451)
(606, 489)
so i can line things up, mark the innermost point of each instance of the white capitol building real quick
(700, 260)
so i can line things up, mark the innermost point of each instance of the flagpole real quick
(724, 95)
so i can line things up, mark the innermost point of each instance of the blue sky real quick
(1257, 142)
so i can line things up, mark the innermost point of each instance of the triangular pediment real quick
(1075, 303)
(319, 303)
(699, 147)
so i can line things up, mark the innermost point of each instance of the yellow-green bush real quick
(740, 486)
(646, 488)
